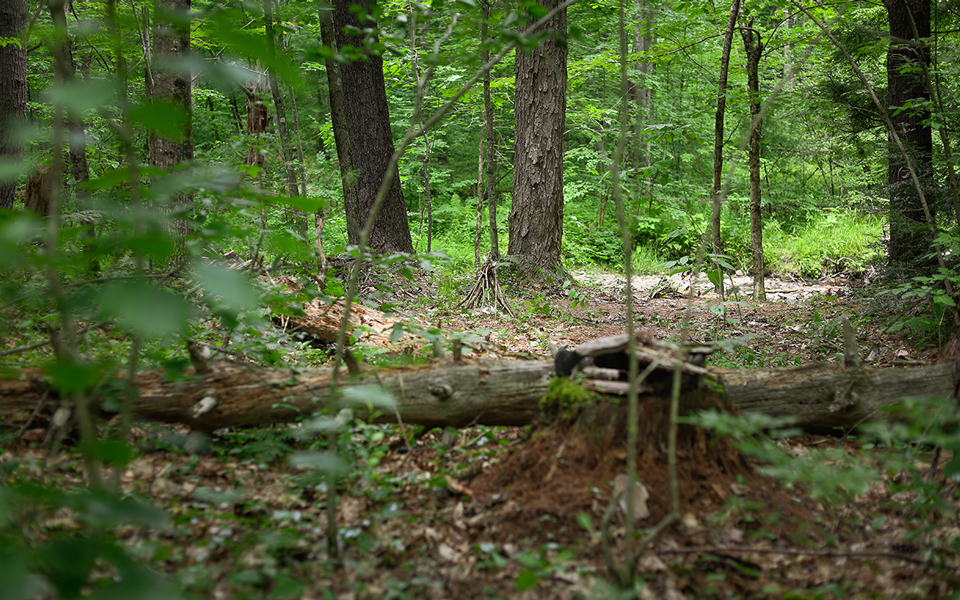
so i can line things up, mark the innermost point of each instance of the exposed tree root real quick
(486, 289)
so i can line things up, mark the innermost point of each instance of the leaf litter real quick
(514, 512)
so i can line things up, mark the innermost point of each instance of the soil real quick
(517, 512)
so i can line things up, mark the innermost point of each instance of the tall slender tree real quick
(63, 62)
(286, 148)
(368, 127)
(641, 89)
(718, 127)
(13, 91)
(754, 49)
(536, 215)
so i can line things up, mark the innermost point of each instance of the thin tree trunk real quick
(301, 164)
(490, 161)
(426, 137)
(642, 90)
(479, 229)
(754, 51)
(286, 153)
(77, 153)
(718, 127)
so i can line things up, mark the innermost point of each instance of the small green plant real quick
(68, 561)
(564, 398)
(648, 261)
(932, 291)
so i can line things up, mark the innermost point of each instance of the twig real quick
(798, 552)
(33, 415)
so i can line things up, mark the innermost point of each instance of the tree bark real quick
(286, 152)
(341, 137)
(63, 62)
(489, 161)
(536, 215)
(754, 51)
(493, 392)
(910, 236)
(718, 127)
(371, 140)
(171, 40)
(13, 92)
(641, 90)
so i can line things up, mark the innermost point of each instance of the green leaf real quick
(304, 203)
(68, 563)
(81, 95)
(102, 509)
(12, 168)
(325, 462)
(585, 521)
(136, 581)
(72, 377)
(525, 580)
(371, 396)
(163, 117)
(16, 580)
(233, 289)
(144, 309)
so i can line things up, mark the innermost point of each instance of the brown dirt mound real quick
(561, 469)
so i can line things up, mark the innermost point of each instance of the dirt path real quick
(800, 322)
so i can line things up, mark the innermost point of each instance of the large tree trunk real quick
(171, 41)
(371, 140)
(13, 91)
(493, 392)
(536, 215)
(910, 235)
(341, 136)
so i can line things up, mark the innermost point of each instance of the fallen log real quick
(826, 396)
(489, 392)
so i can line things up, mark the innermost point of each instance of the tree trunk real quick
(286, 152)
(718, 127)
(63, 63)
(13, 92)
(371, 140)
(341, 137)
(426, 137)
(171, 40)
(301, 165)
(754, 51)
(642, 90)
(491, 392)
(910, 236)
(258, 121)
(490, 158)
(536, 215)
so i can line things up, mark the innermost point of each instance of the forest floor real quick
(515, 512)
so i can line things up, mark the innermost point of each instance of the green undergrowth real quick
(834, 243)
